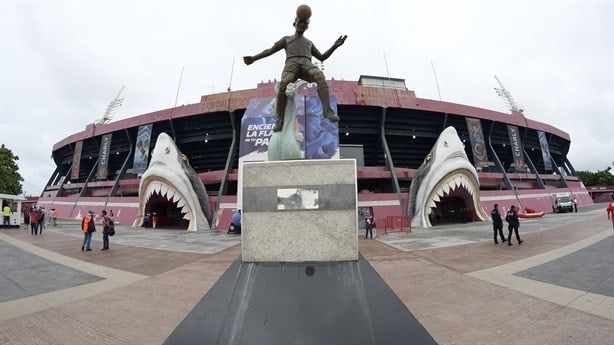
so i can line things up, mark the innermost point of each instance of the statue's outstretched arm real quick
(279, 45)
(338, 43)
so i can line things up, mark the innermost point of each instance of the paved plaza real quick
(555, 288)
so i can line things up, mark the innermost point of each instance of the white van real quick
(561, 202)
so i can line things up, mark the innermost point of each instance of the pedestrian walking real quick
(497, 223)
(7, 216)
(33, 222)
(513, 224)
(610, 212)
(55, 217)
(41, 219)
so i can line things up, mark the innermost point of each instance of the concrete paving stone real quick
(569, 271)
(24, 274)
(439, 285)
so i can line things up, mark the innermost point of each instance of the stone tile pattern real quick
(23, 274)
(328, 233)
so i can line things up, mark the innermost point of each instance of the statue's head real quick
(301, 25)
(303, 13)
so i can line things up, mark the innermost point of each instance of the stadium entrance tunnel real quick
(168, 215)
(454, 209)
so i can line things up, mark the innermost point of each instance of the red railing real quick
(393, 224)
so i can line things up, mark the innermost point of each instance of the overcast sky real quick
(62, 62)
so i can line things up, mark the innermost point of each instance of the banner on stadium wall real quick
(103, 157)
(543, 142)
(320, 136)
(141, 155)
(256, 129)
(478, 147)
(516, 145)
(76, 159)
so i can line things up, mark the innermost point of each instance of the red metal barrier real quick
(393, 224)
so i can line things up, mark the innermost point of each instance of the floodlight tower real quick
(503, 92)
(113, 105)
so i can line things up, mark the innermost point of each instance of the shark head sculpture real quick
(170, 176)
(445, 172)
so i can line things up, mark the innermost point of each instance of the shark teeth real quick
(168, 192)
(449, 186)
(446, 188)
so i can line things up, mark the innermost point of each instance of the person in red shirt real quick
(34, 222)
(610, 212)
(154, 220)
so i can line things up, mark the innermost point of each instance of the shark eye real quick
(428, 157)
(184, 157)
(167, 149)
(445, 143)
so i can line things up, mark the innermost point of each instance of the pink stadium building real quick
(384, 126)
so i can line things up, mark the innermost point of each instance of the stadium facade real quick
(384, 126)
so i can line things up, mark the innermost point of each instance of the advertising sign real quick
(103, 156)
(317, 136)
(516, 145)
(141, 155)
(74, 172)
(543, 142)
(480, 156)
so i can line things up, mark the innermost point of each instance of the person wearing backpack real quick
(89, 227)
(107, 227)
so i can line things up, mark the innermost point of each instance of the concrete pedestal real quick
(299, 211)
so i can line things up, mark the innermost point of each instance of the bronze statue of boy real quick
(299, 51)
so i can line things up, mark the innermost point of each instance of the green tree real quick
(10, 179)
(599, 178)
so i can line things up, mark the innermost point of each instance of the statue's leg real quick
(280, 107)
(327, 111)
(324, 94)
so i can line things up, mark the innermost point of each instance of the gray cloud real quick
(62, 62)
